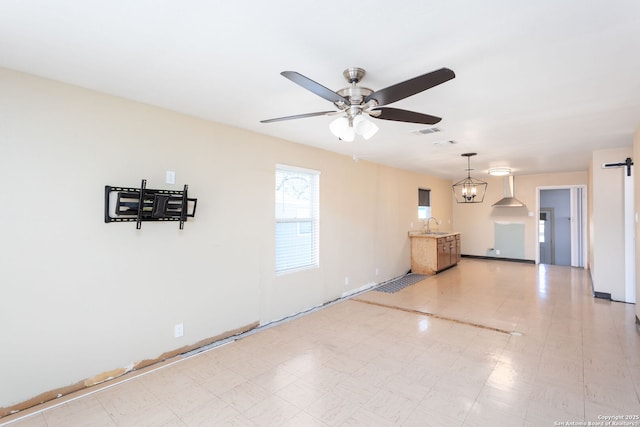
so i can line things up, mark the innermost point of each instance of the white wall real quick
(81, 297)
(607, 223)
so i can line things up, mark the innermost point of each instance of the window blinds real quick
(297, 218)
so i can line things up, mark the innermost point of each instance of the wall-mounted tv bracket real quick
(124, 204)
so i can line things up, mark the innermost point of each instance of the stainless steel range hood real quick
(509, 200)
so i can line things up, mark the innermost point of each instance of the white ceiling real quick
(539, 84)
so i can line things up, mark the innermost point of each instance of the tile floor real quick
(375, 360)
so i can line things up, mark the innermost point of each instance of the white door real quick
(629, 239)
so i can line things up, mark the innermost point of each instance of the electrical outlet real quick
(377, 271)
(178, 330)
(346, 280)
(497, 251)
(170, 177)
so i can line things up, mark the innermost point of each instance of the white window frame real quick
(302, 250)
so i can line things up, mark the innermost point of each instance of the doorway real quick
(561, 231)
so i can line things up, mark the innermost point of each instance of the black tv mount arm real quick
(124, 204)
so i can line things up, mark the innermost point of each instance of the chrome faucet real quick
(429, 221)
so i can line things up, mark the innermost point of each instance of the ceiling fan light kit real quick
(469, 190)
(354, 102)
(346, 128)
(364, 127)
(342, 129)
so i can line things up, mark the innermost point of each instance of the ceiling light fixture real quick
(346, 128)
(469, 190)
(500, 171)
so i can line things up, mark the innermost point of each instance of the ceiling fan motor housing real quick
(354, 74)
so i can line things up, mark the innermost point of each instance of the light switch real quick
(171, 177)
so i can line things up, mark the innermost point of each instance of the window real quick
(424, 203)
(297, 219)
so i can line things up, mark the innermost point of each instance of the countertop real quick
(433, 234)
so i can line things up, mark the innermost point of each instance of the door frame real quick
(578, 203)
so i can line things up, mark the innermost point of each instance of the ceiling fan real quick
(354, 102)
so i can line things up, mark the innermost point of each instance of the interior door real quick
(545, 236)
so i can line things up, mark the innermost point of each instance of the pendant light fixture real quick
(469, 190)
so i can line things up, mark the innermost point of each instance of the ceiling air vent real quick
(443, 143)
(426, 131)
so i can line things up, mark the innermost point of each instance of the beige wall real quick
(607, 223)
(476, 221)
(81, 297)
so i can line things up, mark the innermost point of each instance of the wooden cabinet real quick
(432, 253)
(448, 251)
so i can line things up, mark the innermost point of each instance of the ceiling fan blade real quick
(314, 87)
(410, 87)
(298, 116)
(399, 115)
